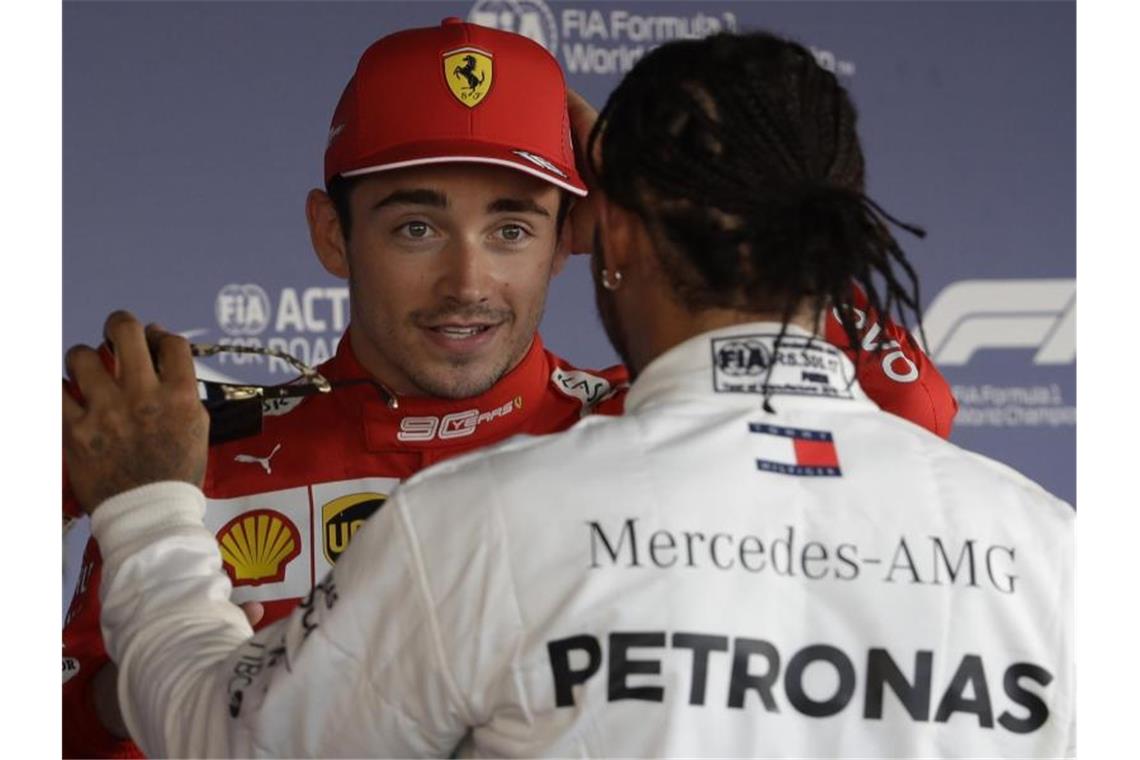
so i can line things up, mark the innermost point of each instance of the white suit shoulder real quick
(518, 456)
(1032, 490)
(989, 476)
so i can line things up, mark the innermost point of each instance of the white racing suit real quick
(754, 560)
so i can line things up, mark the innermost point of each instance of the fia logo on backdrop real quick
(305, 322)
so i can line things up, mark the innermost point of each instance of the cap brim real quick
(473, 153)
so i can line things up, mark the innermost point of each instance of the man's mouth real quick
(455, 338)
(471, 332)
(460, 332)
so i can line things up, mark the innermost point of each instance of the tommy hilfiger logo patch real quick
(795, 451)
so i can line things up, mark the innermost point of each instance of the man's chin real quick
(457, 379)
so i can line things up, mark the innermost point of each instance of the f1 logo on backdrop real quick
(970, 315)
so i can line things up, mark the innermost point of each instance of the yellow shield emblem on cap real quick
(468, 73)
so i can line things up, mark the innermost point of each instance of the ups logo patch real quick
(343, 516)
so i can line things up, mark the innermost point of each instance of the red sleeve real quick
(83, 656)
(900, 378)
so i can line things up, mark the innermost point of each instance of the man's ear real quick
(619, 229)
(326, 233)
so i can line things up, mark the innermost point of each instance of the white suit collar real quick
(741, 363)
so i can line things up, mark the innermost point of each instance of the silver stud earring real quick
(611, 284)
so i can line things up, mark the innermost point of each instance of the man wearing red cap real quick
(449, 174)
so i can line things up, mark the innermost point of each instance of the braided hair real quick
(739, 153)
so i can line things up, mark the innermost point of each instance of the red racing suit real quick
(285, 503)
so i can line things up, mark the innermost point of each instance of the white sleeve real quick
(356, 670)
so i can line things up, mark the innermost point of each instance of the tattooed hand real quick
(141, 423)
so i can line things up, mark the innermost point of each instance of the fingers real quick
(87, 371)
(72, 409)
(254, 612)
(582, 114)
(582, 119)
(125, 334)
(172, 352)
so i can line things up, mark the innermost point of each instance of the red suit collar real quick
(420, 422)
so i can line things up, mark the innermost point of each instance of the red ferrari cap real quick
(454, 92)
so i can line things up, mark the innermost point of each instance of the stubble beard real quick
(461, 379)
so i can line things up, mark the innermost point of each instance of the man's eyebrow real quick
(516, 205)
(419, 197)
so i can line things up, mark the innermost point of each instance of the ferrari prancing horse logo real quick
(468, 72)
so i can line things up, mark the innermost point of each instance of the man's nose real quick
(466, 275)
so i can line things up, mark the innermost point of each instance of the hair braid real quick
(740, 154)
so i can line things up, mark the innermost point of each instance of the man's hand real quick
(583, 217)
(141, 423)
(582, 119)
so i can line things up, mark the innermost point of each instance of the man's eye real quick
(417, 229)
(513, 233)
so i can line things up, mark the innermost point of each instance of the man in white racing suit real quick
(754, 561)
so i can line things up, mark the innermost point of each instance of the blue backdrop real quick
(193, 130)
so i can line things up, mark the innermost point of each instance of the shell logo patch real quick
(343, 516)
(468, 73)
(257, 547)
